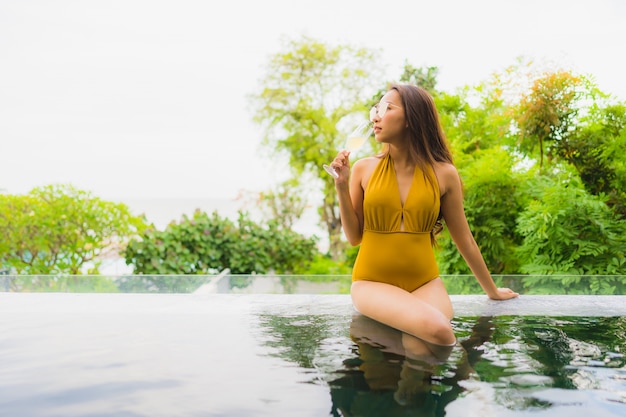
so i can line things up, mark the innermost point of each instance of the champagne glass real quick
(355, 140)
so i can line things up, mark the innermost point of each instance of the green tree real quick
(58, 229)
(283, 204)
(206, 244)
(425, 77)
(472, 128)
(311, 94)
(547, 114)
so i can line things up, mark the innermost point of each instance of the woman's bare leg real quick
(425, 313)
(435, 294)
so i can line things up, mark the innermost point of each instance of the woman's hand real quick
(504, 294)
(341, 164)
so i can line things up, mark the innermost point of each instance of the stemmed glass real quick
(355, 140)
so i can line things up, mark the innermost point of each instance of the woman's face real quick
(391, 126)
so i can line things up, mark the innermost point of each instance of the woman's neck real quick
(401, 156)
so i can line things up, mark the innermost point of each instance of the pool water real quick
(305, 355)
(502, 366)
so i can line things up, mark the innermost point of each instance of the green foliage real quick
(59, 229)
(193, 246)
(309, 98)
(73, 284)
(283, 204)
(574, 284)
(461, 284)
(596, 150)
(472, 128)
(540, 221)
(205, 244)
(323, 264)
(546, 115)
(423, 77)
(613, 155)
(477, 134)
(568, 231)
(296, 338)
(467, 284)
(492, 203)
(160, 284)
(288, 250)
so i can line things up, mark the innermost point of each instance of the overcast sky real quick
(147, 98)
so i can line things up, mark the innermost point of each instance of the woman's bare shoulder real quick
(363, 168)
(445, 169)
(366, 164)
(447, 175)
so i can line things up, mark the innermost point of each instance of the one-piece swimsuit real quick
(396, 246)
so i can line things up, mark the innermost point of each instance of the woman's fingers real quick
(341, 162)
(506, 294)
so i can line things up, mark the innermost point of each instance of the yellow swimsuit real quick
(404, 258)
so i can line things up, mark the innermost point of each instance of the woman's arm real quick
(454, 215)
(350, 193)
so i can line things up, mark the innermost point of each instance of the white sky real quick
(144, 98)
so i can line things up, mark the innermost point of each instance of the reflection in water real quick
(394, 373)
(375, 370)
(504, 366)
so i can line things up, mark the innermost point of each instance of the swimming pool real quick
(68, 354)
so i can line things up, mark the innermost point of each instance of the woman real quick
(391, 204)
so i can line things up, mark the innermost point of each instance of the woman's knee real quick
(442, 333)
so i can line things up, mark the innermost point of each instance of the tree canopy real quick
(58, 229)
(308, 100)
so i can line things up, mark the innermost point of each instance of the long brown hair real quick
(427, 143)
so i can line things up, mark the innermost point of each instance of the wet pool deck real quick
(191, 354)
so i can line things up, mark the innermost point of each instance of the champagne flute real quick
(355, 140)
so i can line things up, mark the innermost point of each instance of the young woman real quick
(391, 205)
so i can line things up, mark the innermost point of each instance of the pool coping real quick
(464, 305)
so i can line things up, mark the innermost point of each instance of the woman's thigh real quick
(435, 294)
(405, 311)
